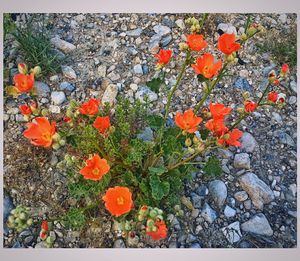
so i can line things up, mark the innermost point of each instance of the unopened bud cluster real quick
(19, 218)
(58, 141)
(151, 215)
(194, 24)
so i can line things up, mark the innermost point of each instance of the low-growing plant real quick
(131, 161)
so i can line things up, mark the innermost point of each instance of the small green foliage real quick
(204, 134)
(130, 178)
(155, 121)
(9, 25)
(19, 218)
(212, 167)
(155, 84)
(136, 152)
(159, 188)
(157, 170)
(74, 219)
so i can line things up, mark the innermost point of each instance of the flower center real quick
(46, 136)
(95, 171)
(120, 201)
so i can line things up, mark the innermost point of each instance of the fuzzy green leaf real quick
(155, 84)
(155, 121)
(212, 167)
(157, 170)
(159, 188)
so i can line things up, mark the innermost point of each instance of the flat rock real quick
(229, 212)
(248, 143)
(153, 44)
(259, 192)
(258, 225)
(136, 32)
(119, 243)
(63, 45)
(241, 196)
(241, 161)
(42, 89)
(180, 24)
(208, 213)
(161, 29)
(218, 191)
(232, 232)
(68, 72)
(138, 69)
(110, 94)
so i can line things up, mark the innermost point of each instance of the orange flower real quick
(216, 126)
(187, 121)
(95, 168)
(227, 44)
(161, 231)
(102, 124)
(24, 83)
(272, 96)
(196, 42)
(25, 109)
(285, 68)
(250, 106)
(163, 56)
(218, 110)
(91, 107)
(231, 138)
(40, 132)
(45, 225)
(206, 66)
(118, 200)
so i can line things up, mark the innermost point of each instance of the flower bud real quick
(22, 67)
(191, 150)
(22, 216)
(44, 112)
(201, 147)
(183, 46)
(55, 146)
(29, 222)
(196, 140)
(188, 142)
(62, 142)
(251, 31)
(140, 218)
(37, 71)
(240, 110)
(56, 137)
(153, 213)
(246, 95)
(50, 240)
(244, 37)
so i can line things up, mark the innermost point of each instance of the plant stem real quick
(183, 68)
(184, 161)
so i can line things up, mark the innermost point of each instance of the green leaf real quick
(155, 84)
(201, 78)
(155, 121)
(74, 219)
(204, 133)
(159, 188)
(212, 167)
(71, 139)
(157, 170)
(130, 179)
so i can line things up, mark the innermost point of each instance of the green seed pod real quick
(18, 221)
(159, 217)
(23, 216)
(11, 219)
(188, 142)
(55, 146)
(62, 142)
(49, 240)
(153, 213)
(29, 222)
(140, 218)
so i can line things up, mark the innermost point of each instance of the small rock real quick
(248, 204)
(202, 191)
(54, 109)
(133, 87)
(132, 50)
(227, 28)
(195, 245)
(146, 135)
(7, 207)
(282, 18)
(58, 98)
(248, 143)
(174, 222)
(258, 225)
(268, 69)
(63, 45)
(110, 94)
(180, 24)
(153, 44)
(259, 192)
(166, 40)
(102, 70)
(232, 232)
(229, 212)
(226, 154)
(293, 86)
(276, 117)
(68, 72)
(136, 32)
(161, 29)
(242, 161)
(284, 138)
(138, 69)
(20, 118)
(208, 213)
(195, 213)
(241, 196)
(144, 91)
(196, 199)
(243, 84)
(218, 191)
(66, 86)
(42, 89)
(114, 76)
(54, 78)
(292, 100)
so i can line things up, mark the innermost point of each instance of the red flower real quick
(102, 124)
(206, 66)
(216, 126)
(250, 106)
(272, 96)
(163, 56)
(161, 231)
(67, 119)
(218, 110)
(227, 44)
(40, 132)
(187, 121)
(45, 226)
(285, 68)
(118, 200)
(276, 82)
(24, 83)
(90, 108)
(95, 168)
(25, 109)
(196, 42)
(231, 138)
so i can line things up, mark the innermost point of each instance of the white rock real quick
(232, 232)
(248, 143)
(161, 29)
(180, 24)
(58, 98)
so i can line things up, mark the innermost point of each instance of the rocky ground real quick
(252, 205)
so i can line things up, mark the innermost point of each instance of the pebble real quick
(68, 72)
(102, 70)
(218, 191)
(180, 24)
(136, 32)
(227, 28)
(276, 117)
(243, 84)
(42, 89)
(54, 78)
(110, 94)
(292, 100)
(66, 86)
(258, 225)
(195, 245)
(174, 222)
(232, 232)
(241, 196)
(293, 86)
(58, 98)
(138, 69)
(282, 18)
(259, 192)
(166, 40)
(197, 200)
(144, 91)
(7, 207)
(248, 143)
(62, 45)
(54, 109)
(161, 29)
(146, 135)
(241, 161)
(133, 87)
(20, 118)
(208, 213)
(153, 44)
(229, 212)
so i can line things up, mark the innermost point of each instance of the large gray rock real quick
(258, 225)
(248, 143)
(259, 191)
(241, 161)
(218, 191)
(63, 45)
(232, 232)
(110, 94)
